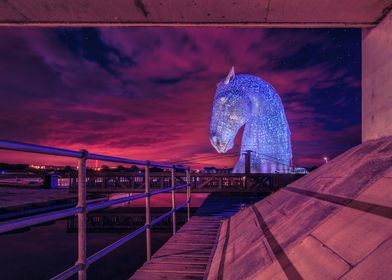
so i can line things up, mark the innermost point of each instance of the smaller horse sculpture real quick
(250, 101)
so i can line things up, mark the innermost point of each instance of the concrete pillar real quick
(247, 162)
(377, 80)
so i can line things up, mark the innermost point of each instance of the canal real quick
(43, 251)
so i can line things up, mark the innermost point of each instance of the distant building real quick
(46, 167)
(213, 170)
(300, 170)
(209, 170)
(135, 169)
(225, 170)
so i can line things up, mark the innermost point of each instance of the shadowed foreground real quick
(334, 223)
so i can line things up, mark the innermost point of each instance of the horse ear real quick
(230, 76)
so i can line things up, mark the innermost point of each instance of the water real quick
(47, 250)
(44, 251)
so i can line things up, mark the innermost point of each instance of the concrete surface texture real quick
(334, 223)
(266, 12)
(376, 80)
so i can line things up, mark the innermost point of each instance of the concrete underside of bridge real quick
(373, 16)
(290, 13)
(335, 223)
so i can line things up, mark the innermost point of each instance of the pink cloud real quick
(158, 106)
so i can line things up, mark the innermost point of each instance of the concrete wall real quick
(333, 223)
(377, 80)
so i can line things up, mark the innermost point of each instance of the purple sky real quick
(146, 93)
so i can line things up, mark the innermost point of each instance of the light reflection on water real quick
(46, 250)
(160, 200)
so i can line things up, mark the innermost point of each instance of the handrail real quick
(114, 245)
(31, 148)
(105, 204)
(82, 208)
(37, 219)
(24, 213)
(68, 273)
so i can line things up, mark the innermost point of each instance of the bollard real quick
(82, 217)
(173, 179)
(148, 213)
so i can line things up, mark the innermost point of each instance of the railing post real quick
(82, 217)
(188, 192)
(148, 213)
(173, 184)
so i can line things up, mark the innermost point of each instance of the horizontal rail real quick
(82, 208)
(15, 215)
(100, 254)
(30, 148)
(45, 209)
(128, 161)
(102, 205)
(169, 189)
(38, 219)
(182, 204)
(160, 218)
(114, 245)
(68, 273)
(51, 216)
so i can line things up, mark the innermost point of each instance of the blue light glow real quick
(250, 101)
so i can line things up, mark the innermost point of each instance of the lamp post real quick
(325, 159)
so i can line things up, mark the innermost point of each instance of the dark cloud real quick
(146, 93)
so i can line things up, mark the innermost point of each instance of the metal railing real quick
(82, 208)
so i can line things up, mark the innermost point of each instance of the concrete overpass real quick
(372, 15)
(336, 222)
(266, 13)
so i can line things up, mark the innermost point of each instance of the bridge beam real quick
(376, 80)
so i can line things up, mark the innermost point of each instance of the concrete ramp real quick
(334, 223)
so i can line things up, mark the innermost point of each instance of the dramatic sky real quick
(146, 93)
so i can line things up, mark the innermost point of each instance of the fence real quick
(123, 182)
(82, 208)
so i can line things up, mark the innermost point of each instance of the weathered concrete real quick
(290, 13)
(376, 80)
(334, 223)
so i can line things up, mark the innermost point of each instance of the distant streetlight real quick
(325, 159)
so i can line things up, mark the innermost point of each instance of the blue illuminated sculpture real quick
(250, 101)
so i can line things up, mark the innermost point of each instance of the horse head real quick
(230, 112)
